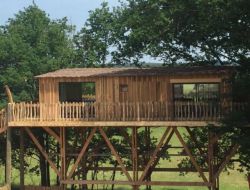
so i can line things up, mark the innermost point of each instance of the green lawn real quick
(232, 181)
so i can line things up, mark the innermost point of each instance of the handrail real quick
(125, 111)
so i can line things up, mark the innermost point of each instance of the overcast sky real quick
(75, 10)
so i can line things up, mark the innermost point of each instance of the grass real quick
(228, 181)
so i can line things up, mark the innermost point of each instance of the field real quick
(232, 180)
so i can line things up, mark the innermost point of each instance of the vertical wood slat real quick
(120, 111)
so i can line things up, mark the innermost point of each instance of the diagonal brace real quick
(114, 152)
(40, 148)
(190, 155)
(84, 149)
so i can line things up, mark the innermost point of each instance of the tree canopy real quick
(30, 44)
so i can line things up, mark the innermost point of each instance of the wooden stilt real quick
(63, 155)
(211, 160)
(21, 159)
(134, 157)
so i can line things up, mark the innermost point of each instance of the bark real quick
(113, 175)
(43, 170)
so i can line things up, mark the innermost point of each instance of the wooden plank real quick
(114, 152)
(113, 123)
(159, 155)
(155, 183)
(84, 149)
(190, 155)
(40, 148)
(22, 159)
(153, 169)
(52, 133)
(196, 80)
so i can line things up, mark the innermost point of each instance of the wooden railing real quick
(3, 120)
(146, 111)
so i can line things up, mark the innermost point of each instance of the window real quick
(196, 92)
(123, 88)
(77, 92)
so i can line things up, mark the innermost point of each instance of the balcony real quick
(118, 114)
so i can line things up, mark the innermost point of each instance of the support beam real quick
(190, 155)
(161, 152)
(84, 149)
(153, 157)
(52, 133)
(21, 159)
(114, 152)
(41, 149)
(138, 183)
(211, 159)
(134, 156)
(62, 142)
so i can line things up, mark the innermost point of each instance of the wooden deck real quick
(117, 114)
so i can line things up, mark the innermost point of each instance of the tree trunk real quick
(43, 170)
(43, 164)
(113, 175)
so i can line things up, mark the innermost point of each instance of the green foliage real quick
(194, 31)
(31, 44)
(94, 41)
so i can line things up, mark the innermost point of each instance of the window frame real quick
(196, 99)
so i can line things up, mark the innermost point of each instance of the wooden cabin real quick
(99, 98)
(127, 95)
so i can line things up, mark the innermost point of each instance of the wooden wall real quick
(142, 88)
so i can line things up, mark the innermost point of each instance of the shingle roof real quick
(130, 71)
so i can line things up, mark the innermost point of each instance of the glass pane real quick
(207, 92)
(189, 91)
(196, 92)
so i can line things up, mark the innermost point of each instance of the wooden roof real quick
(131, 71)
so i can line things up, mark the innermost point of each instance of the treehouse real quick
(127, 97)
(89, 100)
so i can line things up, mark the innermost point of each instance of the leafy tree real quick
(205, 31)
(31, 44)
(94, 42)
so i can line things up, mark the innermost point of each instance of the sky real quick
(75, 10)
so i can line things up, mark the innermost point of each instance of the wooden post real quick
(63, 155)
(8, 144)
(21, 159)
(134, 157)
(211, 160)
